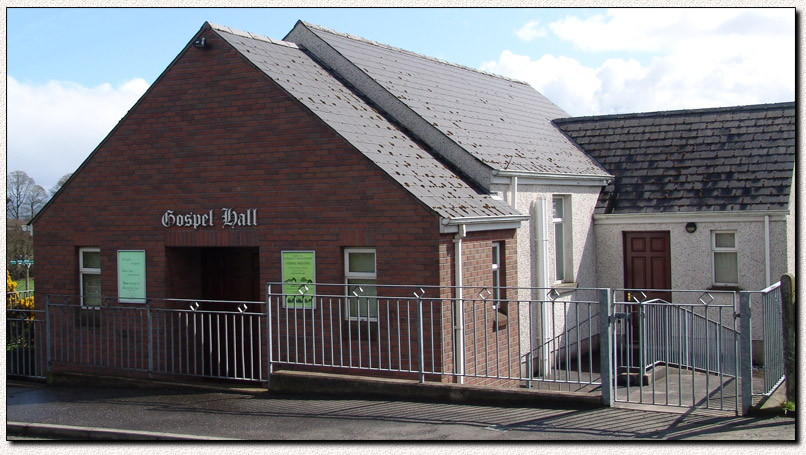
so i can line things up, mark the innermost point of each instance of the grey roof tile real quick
(736, 158)
(497, 120)
(404, 160)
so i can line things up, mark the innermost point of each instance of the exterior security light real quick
(200, 43)
(691, 227)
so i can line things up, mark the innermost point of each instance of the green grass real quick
(21, 284)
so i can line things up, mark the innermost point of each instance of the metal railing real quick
(431, 331)
(566, 335)
(687, 352)
(767, 304)
(25, 342)
(375, 332)
(771, 304)
(165, 336)
(679, 353)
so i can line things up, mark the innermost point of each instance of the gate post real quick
(150, 339)
(746, 357)
(420, 341)
(47, 335)
(789, 322)
(269, 349)
(605, 337)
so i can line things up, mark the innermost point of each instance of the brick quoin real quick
(215, 132)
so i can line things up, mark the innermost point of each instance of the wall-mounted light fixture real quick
(200, 43)
(691, 227)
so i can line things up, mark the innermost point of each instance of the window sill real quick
(565, 288)
(500, 322)
(733, 288)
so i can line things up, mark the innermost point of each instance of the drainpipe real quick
(767, 248)
(459, 315)
(513, 184)
(542, 273)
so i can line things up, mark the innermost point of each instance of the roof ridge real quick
(415, 54)
(705, 110)
(233, 31)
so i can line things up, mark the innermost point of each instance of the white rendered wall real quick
(583, 202)
(691, 254)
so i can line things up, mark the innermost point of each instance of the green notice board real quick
(132, 276)
(299, 269)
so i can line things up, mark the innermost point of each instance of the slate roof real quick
(502, 122)
(403, 159)
(722, 159)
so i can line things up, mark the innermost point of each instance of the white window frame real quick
(498, 253)
(564, 272)
(496, 269)
(348, 276)
(717, 249)
(82, 271)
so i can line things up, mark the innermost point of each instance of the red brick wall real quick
(215, 132)
(491, 339)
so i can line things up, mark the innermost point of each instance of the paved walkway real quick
(127, 413)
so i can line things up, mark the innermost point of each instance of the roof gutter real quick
(481, 223)
(666, 217)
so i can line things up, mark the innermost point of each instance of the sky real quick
(73, 73)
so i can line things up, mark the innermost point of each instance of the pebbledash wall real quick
(692, 261)
(215, 134)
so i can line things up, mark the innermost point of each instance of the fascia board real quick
(685, 217)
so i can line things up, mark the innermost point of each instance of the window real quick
(726, 258)
(360, 275)
(563, 259)
(497, 269)
(89, 266)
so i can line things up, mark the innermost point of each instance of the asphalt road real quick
(124, 413)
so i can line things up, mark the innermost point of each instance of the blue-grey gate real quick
(683, 353)
(761, 316)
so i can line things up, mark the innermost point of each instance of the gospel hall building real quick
(247, 152)
(257, 170)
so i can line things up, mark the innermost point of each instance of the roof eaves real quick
(678, 112)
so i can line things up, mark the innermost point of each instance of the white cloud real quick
(530, 31)
(701, 58)
(53, 127)
(563, 80)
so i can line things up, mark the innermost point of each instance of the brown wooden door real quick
(648, 262)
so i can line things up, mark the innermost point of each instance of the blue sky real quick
(92, 46)
(73, 73)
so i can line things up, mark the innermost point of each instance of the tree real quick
(18, 186)
(19, 245)
(60, 183)
(35, 200)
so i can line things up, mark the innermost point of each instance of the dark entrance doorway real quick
(218, 273)
(220, 334)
